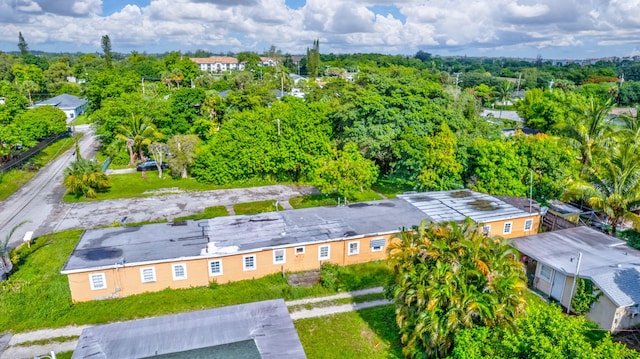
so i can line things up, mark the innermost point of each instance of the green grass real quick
(390, 189)
(37, 295)
(209, 212)
(367, 333)
(64, 355)
(13, 180)
(132, 185)
(314, 200)
(82, 120)
(364, 196)
(256, 207)
(48, 341)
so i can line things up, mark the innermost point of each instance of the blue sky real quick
(567, 29)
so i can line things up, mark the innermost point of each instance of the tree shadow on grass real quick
(382, 321)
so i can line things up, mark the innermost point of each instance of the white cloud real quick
(437, 26)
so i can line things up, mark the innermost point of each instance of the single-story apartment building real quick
(254, 330)
(73, 106)
(122, 261)
(553, 258)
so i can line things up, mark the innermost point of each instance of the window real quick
(528, 224)
(97, 281)
(545, 273)
(486, 229)
(249, 262)
(507, 228)
(179, 271)
(215, 267)
(354, 248)
(299, 250)
(278, 256)
(377, 244)
(148, 275)
(324, 252)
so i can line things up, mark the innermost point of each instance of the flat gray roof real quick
(106, 247)
(255, 330)
(455, 206)
(609, 262)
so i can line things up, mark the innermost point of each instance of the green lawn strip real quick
(47, 341)
(256, 207)
(314, 200)
(13, 180)
(390, 189)
(321, 200)
(209, 212)
(359, 299)
(64, 355)
(366, 333)
(131, 185)
(37, 295)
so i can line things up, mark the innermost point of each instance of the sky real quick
(552, 29)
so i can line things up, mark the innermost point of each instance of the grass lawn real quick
(209, 212)
(256, 207)
(390, 189)
(130, 185)
(320, 200)
(367, 333)
(13, 180)
(37, 295)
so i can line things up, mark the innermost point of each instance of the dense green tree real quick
(183, 153)
(39, 123)
(449, 277)
(347, 173)
(584, 297)
(442, 170)
(106, 49)
(496, 168)
(22, 45)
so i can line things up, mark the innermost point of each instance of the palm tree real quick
(84, 178)
(591, 131)
(613, 187)
(449, 277)
(137, 134)
(630, 130)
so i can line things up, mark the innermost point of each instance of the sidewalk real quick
(16, 351)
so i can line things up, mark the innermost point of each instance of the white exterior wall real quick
(603, 313)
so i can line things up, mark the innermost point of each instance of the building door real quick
(557, 287)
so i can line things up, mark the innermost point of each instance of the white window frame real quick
(545, 277)
(284, 256)
(328, 247)
(211, 273)
(102, 277)
(504, 228)
(153, 274)
(377, 248)
(299, 250)
(184, 271)
(357, 248)
(244, 262)
(486, 229)
(528, 223)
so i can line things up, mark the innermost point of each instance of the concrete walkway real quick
(15, 351)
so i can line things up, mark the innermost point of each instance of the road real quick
(41, 196)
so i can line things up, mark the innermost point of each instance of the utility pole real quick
(575, 280)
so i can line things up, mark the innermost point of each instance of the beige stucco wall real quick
(517, 227)
(128, 280)
(541, 283)
(603, 313)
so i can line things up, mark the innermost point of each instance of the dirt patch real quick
(304, 279)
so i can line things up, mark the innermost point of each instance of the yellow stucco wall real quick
(497, 228)
(127, 280)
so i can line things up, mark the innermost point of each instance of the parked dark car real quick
(150, 166)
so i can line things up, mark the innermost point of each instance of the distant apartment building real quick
(227, 63)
